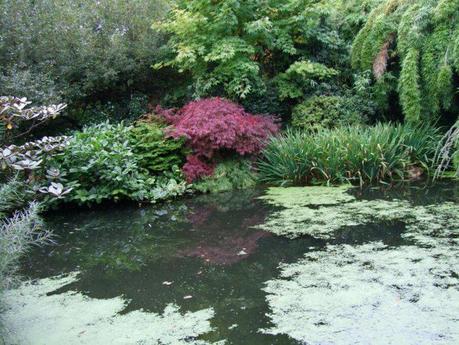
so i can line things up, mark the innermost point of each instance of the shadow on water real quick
(204, 247)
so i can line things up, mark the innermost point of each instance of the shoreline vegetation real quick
(151, 100)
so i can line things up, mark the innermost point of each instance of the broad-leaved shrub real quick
(101, 164)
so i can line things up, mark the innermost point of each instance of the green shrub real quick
(127, 109)
(155, 152)
(228, 175)
(349, 154)
(13, 196)
(100, 164)
(77, 49)
(326, 112)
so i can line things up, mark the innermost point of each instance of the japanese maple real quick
(213, 125)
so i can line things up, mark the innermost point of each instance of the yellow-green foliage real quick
(326, 112)
(424, 35)
(234, 47)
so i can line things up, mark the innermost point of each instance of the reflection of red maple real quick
(199, 216)
(228, 251)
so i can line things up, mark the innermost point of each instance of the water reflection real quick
(201, 253)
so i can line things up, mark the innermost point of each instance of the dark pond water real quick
(198, 253)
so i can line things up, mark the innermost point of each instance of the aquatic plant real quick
(362, 294)
(321, 211)
(76, 318)
(215, 125)
(384, 152)
(351, 294)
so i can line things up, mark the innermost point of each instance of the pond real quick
(280, 266)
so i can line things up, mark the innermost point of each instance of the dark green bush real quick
(155, 152)
(326, 112)
(77, 49)
(348, 154)
(127, 109)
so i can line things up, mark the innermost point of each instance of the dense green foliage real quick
(349, 154)
(100, 164)
(236, 48)
(72, 50)
(13, 196)
(415, 41)
(326, 112)
(228, 175)
(155, 152)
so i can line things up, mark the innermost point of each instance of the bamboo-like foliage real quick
(424, 35)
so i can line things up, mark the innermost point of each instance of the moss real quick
(37, 313)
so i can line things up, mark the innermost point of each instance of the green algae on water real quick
(320, 211)
(368, 294)
(304, 196)
(37, 315)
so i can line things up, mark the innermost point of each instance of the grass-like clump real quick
(355, 154)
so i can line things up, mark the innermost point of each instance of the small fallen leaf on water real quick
(167, 283)
(242, 252)
(188, 297)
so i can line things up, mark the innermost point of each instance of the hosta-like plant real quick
(100, 164)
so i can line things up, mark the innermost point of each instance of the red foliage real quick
(195, 168)
(215, 124)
